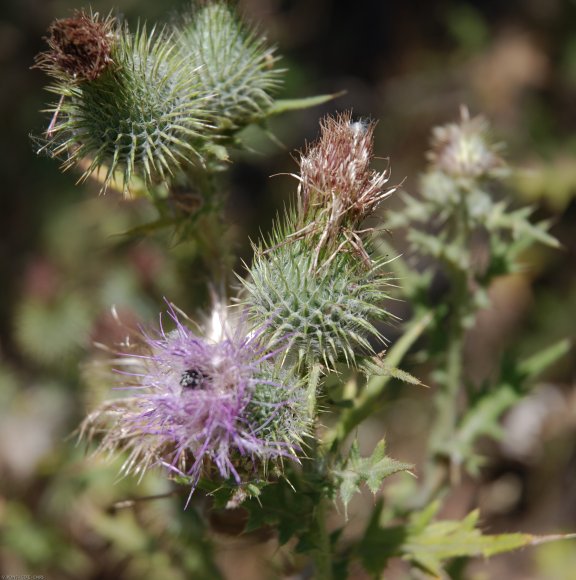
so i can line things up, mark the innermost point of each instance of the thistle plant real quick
(474, 238)
(257, 410)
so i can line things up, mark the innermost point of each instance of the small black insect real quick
(193, 379)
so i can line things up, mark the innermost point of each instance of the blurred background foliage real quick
(66, 260)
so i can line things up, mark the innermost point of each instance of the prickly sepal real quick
(144, 114)
(235, 65)
(278, 410)
(326, 313)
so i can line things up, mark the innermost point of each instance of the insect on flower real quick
(194, 379)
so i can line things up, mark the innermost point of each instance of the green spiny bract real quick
(144, 114)
(325, 313)
(234, 63)
(282, 421)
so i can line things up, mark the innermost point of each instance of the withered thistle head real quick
(335, 171)
(80, 47)
(464, 149)
(338, 189)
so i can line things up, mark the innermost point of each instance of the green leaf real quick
(429, 544)
(379, 543)
(482, 418)
(355, 470)
(287, 506)
(284, 105)
(430, 548)
(485, 409)
(539, 362)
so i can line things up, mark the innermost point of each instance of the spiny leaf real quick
(430, 548)
(287, 506)
(539, 362)
(484, 412)
(430, 544)
(375, 366)
(355, 470)
(517, 222)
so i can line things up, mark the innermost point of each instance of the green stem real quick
(364, 404)
(323, 550)
(441, 468)
(312, 396)
(207, 224)
(447, 399)
(447, 416)
(323, 553)
(216, 247)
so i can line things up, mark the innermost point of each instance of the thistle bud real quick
(314, 284)
(143, 113)
(325, 315)
(335, 171)
(338, 189)
(235, 65)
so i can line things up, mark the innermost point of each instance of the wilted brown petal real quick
(335, 171)
(80, 47)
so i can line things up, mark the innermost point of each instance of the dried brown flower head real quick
(336, 170)
(80, 47)
(338, 189)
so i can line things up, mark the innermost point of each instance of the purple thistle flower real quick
(202, 406)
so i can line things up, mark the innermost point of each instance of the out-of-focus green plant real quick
(463, 223)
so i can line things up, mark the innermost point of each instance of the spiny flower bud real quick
(464, 150)
(201, 407)
(80, 47)
(144, 114)
(338, 190)
(325, 315)
(234, 63)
